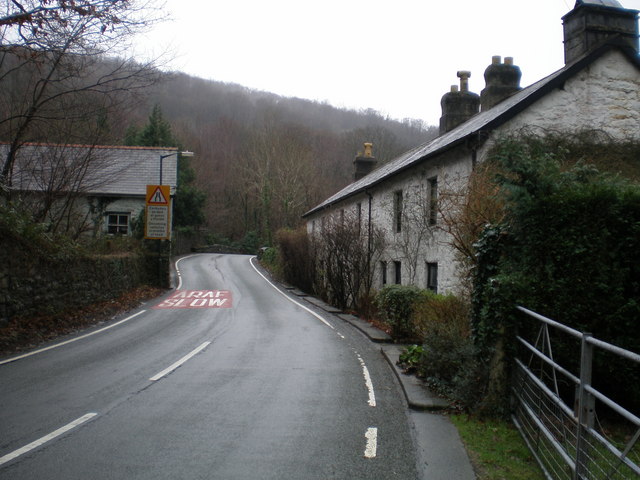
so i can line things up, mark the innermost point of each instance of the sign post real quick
(157, 213)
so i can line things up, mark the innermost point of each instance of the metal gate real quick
(594, 438)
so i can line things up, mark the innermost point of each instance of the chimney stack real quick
(364, 162)
(458, 106)
(592, 22)
(502, 80)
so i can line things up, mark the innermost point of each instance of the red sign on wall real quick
(197, 299)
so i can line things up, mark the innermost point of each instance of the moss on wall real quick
(39, 278)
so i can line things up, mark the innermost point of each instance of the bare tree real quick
(465, 208)
(52, 178)
(54, 70)
(279, 174)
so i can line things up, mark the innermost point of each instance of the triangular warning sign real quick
(158, 198)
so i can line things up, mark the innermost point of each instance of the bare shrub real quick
(344, 254)
(295, 258)
(465, 210)
(442, 315)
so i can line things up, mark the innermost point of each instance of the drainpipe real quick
(369, 239)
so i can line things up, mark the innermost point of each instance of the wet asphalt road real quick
(245, 385)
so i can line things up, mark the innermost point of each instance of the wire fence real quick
(574, 431)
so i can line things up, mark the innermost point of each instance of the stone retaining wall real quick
(34, 281)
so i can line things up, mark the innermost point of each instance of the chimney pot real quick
(364, 163)
(458, 106)
(368, 150)
(502, 80)
(497, 60)
(464, 75)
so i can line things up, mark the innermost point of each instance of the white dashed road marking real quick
(46, 438)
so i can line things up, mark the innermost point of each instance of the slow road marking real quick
(197, 299)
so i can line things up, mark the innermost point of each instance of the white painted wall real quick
(605, 96)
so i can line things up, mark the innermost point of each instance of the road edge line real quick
(289, 298)
(51, 347)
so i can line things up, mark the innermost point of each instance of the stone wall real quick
(35, 280)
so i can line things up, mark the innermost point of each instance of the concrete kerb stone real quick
(440, 453)
(374, 334)
(418, 396)
(324, 306)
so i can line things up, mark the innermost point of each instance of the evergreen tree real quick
(188, 208)
(156, 133)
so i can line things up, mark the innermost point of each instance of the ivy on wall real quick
(568, 247)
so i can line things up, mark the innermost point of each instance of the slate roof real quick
(482, 122)
(604, 3)
(94, 170)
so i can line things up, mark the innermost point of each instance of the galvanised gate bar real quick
(596, 437)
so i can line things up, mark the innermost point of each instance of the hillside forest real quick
(260, 160)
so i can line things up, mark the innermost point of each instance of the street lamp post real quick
(185, 154)
(163, 269)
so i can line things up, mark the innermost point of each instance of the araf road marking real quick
(183, 360)
(197, 299)
(372, 442)
(46, 438)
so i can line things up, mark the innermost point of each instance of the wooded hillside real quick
(262, 159)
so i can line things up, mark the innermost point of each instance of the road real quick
(247, 383)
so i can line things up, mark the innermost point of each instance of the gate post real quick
(586, 409)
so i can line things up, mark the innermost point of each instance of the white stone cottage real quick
(99, 189)
(597, 89)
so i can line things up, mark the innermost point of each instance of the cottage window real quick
(359, 216)
(433, 200)
(397, 211)
(383, 269)
(118, 223)
(398, 271)
(432, 277)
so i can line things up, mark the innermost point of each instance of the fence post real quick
(586, 409)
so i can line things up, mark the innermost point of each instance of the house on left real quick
(88, 190)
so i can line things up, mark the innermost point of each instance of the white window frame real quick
(119, 224)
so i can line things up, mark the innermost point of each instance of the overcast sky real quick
(396, 56)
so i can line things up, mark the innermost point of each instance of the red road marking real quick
(197, 299)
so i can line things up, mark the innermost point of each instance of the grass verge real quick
(496, 449)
